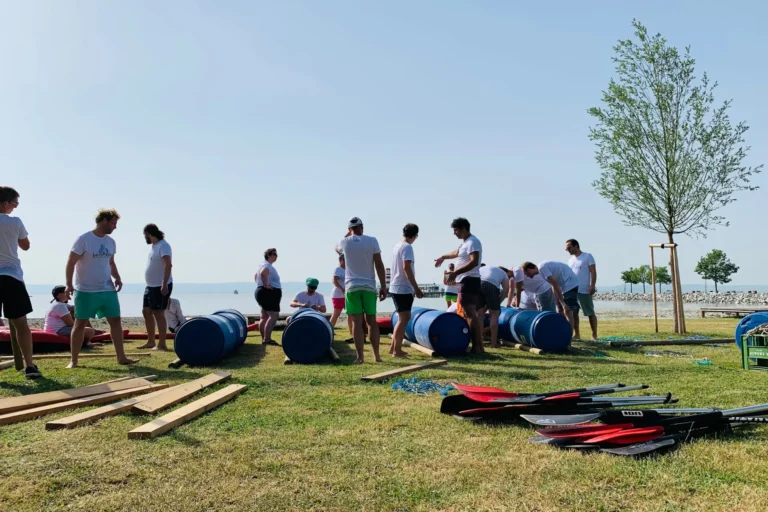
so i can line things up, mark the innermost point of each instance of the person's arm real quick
(558, 293)
(70, 270)
(408, 268)
(167, 264)
(24, 244)
(448, 256)
(337, 284)
(23, 236)
(592, 278)
(504, 289)
(321, 307)
(68, 320)
(381, 272)
(474, 261)
(115, 274)
(265, 278)
(518, 294)
(297, 304)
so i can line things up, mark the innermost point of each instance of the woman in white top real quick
(59, 318)
(451, 291)
(268, 295)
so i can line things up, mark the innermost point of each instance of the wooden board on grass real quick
(28, 414)
(180, 393)
(7, 364)
(405, 369)
(183, 414)
(418, 347)
(18, 403)
(524, 348)
(102, 412)
(657, 343)
(81, 356)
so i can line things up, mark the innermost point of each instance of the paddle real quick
(463, 388)
(484, 409)
(609, 416)
(553, 396)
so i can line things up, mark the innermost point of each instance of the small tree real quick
(663, 276)
(716, 267)
(630, 276)
(670, 157)
(644, 275)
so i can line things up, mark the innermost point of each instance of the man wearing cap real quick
(363, 259)
(60, 318)
(564, 285)
(310, 298)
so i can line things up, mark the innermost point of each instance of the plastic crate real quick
(754, 352)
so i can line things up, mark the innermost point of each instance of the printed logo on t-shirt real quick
(103, 253)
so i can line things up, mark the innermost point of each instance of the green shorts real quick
(453, 297)
(361, 301)
(96, 305)
(587, 304)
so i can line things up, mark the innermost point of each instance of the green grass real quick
(317, 438)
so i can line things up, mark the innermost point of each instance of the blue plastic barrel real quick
(415, 314)
(546, 330)
(445, 333)
(204, 340)
(239, 321)
(748, 323)
(307, 337)
(505, 323)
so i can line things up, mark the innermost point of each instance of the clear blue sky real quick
(241, 125)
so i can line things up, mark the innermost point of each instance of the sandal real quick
(270, 342)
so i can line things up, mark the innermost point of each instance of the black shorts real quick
(14, 299)
(489, 297)
(269, 300)
(469, 292)
(154, 298)
(403, 301)
(571, 299)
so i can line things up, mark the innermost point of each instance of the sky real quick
(242, 125)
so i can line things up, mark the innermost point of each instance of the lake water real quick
(206, 303)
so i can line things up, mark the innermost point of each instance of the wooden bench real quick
(738, 312)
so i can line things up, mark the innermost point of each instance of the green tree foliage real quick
(663, 276)
(630, 277)
(716, 266)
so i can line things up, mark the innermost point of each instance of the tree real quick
(670, 157)
(716, 267)
(644, 275)
(663, 276)
(631, 277)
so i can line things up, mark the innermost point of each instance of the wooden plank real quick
(18, 403)
(180, 393)
(334, 356)
(406, 369)
(657, 343)
(28, 414)
(524, 348)
(102, 412)
(416, 346)
(183, 414)
(81, 356)
(7, 364)
(176, 364)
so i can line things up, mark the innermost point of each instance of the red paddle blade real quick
(566, 396)
(488, 397)
(628, 436)
(585, 432)
(470, 412)
(464, 388)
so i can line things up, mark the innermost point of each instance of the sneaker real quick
(32, 372)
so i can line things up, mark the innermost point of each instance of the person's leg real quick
(270, 326)
(116, 333)
(162, 328)
(494, 328)
(398, 333)
(87, 337)
(588, 307)
(358, 336)
(547, 301)
(335, 317)
(20, 331)
(351, 328)
(263, 323)
(476, 328)
(593, 325)
(149, 322)
(76, 341)
(576, 333)
(571, 299)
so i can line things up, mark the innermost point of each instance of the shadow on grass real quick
(511, 374)
(247, 356)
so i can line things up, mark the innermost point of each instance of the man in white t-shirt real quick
(174, 316)
(159, 281)
(14, 299)
(564, 284)
(583, 265)
(310, 298)
(403, 286)
(363, 261)
(59, 318)
(530, 292)
(469, 256)
(92, 264)
(494, 285)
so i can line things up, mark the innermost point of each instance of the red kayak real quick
(40, 336)
(385, 325)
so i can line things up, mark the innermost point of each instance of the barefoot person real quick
(583, 265)
(451, 292)
(363, 258)
(402, 286)
(338, 295)
(59, 318)
(159, 281)
(268, 294)
(563, 282)
(92, 263)
(310, 298)
(467, 277)
(494, 286)
(14, 299)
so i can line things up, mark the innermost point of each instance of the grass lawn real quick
(316, 437)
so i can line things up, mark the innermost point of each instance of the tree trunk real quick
(643, 287)
(715, 286)
(630, 287)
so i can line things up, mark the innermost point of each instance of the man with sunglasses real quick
(310, 298)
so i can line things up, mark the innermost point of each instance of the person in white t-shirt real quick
(583, 265)
(564, 284)
(159, 281)
(269, 293)
(14, 299)
(469, 256)
(403, 286)
(494, 286)
(363, 260)
(310, 298)
(174, 316)
(530, 292)
(59, 318)
(92, 264)
(451, 291)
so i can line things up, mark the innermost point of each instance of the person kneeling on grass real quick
(60, 318)
(310, 298)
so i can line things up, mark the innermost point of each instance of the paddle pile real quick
(494, 404)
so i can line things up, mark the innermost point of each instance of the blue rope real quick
(421, 387)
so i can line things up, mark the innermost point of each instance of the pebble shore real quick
(724, 299)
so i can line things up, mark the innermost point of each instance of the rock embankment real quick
(728, 298)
